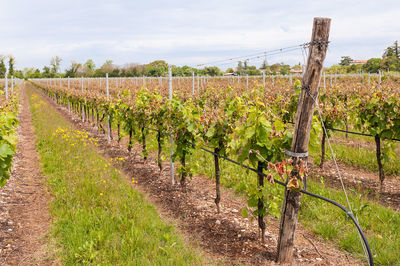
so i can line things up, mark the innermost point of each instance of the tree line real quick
(154, 69)
(390, 61)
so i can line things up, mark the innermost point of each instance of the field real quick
(105, 150)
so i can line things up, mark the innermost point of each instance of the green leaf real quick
(244, 212)
(210, 132)
(5, 150)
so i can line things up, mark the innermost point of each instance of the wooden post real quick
(301, 136)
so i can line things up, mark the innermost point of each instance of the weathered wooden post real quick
(301, 137)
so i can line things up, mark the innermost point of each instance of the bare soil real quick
(367, 182)
(226, 236)
(24, 216)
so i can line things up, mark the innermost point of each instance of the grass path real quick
(98, 218)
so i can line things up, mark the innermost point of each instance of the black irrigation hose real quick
(370, 258)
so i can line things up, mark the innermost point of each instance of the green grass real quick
(380, 224)
(358, 157)
(365, 159)
(98, 218)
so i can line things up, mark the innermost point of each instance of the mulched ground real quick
(362, 180)
(226, 236)
(24, 216)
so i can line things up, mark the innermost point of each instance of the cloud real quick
(188, 32)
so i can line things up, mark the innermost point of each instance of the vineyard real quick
(8, 138)
(200, 170)
(248, 123)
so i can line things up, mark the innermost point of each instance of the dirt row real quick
(226, 236)
(24, 216)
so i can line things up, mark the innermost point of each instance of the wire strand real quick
(336, 165)
(255, 55)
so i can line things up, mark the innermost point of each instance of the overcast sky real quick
(189, 32)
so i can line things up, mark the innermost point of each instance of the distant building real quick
(296, 71)
(358, 62)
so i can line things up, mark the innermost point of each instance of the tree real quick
(107, 67)
(396, 49)
(275, 68)
(187, 71)
(90, 65)
(230, 70)
(264, 64)
(212, 71)
(32, 73)
(11, 63)
(47, 72)
(297, 67)
(391, 63)
(392, 51)
(285, 69)
(73, 69)
(353, 68)
(252, 70)
(240, 68)
(158, 68)
(55, 63)
(391, 57)
(3, 68)
(345, 61)
(19, 74)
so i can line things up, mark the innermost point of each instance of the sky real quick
(185, 32)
